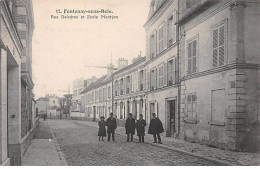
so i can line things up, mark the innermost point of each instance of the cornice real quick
(221, 69)
(157, 14)
(10, 20)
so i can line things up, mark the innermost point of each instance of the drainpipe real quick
(179, 67)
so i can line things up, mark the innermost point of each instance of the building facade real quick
(200, 75)
(219, 51)
(17, 127)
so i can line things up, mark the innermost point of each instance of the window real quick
(192, 55)
(217, 106)
(53, 101)
(219, 46)
(171, 28)
(171, 72)
(109, 92)
(161, 76)
(141, 80)
(191, 106)
(160, 40)
(128, 85)
(152, 46)
(21, 26)
(116, 88)
(121, 86)
(21, 10)
(153, 80)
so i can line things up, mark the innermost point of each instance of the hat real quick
(111, 114)
(154, 114)
(102, 117)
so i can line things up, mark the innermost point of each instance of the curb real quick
(220, 162)
(59, 151)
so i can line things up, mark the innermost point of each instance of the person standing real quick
(111, 126)
(140, 128)
(130, 127)
(102, 128)
(155, 128)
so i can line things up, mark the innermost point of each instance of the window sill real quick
(191, 121)
(217, 123)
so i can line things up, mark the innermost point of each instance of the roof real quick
(42, 99)
(99, 82)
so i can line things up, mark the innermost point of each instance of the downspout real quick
(179, 68)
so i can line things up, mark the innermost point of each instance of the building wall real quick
(226, 105)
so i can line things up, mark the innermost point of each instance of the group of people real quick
(155, 128)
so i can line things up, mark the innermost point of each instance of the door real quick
(172, 116)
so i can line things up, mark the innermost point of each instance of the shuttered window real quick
(192, 55)
(171, 30)
(161, 76)
(191, 106)
(160, 39)
(219, 46)
(152, 46)
(171, 72)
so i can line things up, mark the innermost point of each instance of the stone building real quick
(17, 128)
(98, 97)
(219, 72)
(162, 63)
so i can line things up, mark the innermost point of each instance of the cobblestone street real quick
(80, 146)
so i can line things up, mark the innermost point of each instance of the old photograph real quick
(129, 83)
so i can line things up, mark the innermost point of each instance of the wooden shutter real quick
(165, 35)
(221, 45)
(189, 58)
(174, 27)
(194, 51)
(148, 79)
(144, 79)
(139, 80)
(157, 77)
(165, 74)
(215, 48)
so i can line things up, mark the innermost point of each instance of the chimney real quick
(121, 63)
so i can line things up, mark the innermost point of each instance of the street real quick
(80, 146)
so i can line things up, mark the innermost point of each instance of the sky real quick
(62, 48)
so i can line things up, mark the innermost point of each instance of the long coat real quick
(102, 128)
(140, 127)
(130, 126)
(111, 125)
(155, 126)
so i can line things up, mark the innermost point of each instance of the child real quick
(102, 128)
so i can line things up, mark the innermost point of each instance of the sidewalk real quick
(224, 157)
(43, 150)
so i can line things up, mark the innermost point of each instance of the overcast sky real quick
(62, 47)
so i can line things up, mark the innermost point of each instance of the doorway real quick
(152, 109)
(171, 118)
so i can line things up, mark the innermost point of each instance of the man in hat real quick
(155, 128)
(130, 127)
(111, 126)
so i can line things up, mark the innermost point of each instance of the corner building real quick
(219, 65)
